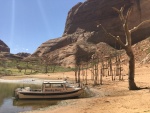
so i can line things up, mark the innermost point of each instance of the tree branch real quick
(124, 20)
(120, 12)
(142, 23)
(117, 38)
(128, 14)
(115, 9)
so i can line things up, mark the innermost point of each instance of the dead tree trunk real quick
(83, 72)
(101, 76)
(132, 85)
(86, 75)
(101, 72)
(128, 45)
(76, 70)
(92, 73)
(78, 74)
(110, 68)
(96, 73)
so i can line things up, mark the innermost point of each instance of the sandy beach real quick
(111, 97)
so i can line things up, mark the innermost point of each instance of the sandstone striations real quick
(4, 47)
(82, 37)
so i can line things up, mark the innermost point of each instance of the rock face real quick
(84, 17)
(4, 47)
(82, 37)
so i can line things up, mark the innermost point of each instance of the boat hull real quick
(48, 95)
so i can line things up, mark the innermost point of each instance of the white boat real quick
(51, 89)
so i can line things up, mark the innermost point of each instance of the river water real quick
(8, 104)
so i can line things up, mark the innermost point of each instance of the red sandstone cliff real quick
(81, 29)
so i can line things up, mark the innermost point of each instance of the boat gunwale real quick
(50, 93)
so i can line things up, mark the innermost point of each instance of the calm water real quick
(9, 105)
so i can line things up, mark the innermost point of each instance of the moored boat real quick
(51, 89)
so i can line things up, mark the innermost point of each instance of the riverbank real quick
(111, 97)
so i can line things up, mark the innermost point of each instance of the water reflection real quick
(6, 91)
(9, 105)
(36, 103)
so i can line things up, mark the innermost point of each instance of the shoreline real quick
(23, 81)
(111, 97)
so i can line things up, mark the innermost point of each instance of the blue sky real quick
(26, 24)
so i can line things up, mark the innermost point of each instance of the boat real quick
(51, 89)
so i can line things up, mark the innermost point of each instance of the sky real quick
(26, 24)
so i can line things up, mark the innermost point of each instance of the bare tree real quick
(49, 63)
(128, 45)
(76, 70)
(45, 61)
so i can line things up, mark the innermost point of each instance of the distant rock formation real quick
(22, 54)
(6, 55)
(4, 47)
(82, 37)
